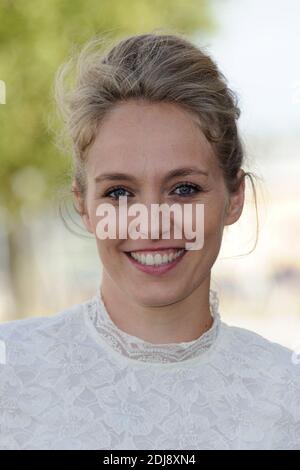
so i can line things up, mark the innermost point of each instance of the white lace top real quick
(74, 380)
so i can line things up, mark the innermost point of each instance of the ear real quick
(80, 206)
(236, 201)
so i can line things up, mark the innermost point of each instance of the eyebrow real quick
(178, 172)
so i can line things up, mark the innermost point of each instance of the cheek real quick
(214, 222)
(213, 228)
(208, 210)
(110, 252)
(104, 218)
(110, 256)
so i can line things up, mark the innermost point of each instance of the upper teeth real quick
(151, 259)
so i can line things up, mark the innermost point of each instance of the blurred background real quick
(44, 267)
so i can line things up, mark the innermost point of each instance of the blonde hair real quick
(157, 68)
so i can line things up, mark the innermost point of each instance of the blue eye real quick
(188, 189)
(119, 190)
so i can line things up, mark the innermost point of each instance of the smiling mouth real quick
(157, 258)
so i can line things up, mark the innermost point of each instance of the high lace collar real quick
(141, 350)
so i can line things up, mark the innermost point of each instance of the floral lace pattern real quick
(136, 348)
(64, 386)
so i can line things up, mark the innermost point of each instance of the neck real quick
(184, 320)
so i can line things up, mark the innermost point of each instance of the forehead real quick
(157, 134)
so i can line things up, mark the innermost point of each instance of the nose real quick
(155, 220)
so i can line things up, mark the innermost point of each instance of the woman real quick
(147, 363)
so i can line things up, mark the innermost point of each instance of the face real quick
(146, 142)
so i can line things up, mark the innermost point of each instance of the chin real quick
(159, 295)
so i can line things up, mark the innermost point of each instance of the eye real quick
(187, 189)
(116, 192)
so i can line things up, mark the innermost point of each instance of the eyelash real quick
(197, 189)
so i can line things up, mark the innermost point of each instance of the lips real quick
(156, 262)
